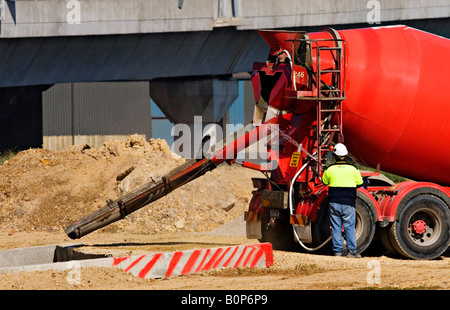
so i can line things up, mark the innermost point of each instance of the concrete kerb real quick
(155, 265)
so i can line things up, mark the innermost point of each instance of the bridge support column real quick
(192, 105)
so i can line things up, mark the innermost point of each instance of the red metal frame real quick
(390, 201)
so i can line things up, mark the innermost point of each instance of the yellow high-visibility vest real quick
(342, 174)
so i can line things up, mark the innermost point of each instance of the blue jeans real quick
(343, 215)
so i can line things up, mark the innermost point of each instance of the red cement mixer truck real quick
(381, 91)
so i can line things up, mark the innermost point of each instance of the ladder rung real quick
(328, 130)
(329, 48)
(331, 110)
(314, 98)
(330, 90)
(330, 71)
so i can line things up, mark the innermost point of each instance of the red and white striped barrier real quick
(192, 261)
(169, 264)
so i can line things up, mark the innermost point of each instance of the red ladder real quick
(329, 102)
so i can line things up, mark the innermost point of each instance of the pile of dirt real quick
(42, 190)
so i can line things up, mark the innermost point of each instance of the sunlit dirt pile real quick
(42, 190)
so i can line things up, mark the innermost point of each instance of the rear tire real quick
(383, 233)
(365, 225)
(432, 238)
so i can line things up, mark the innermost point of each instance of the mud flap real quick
(253, 230)
(253, 225)
(303, 232)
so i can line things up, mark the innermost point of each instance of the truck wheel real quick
(278, 231)
(423, 228)
(365, 225)
(383, 233)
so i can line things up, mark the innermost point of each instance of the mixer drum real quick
(397, 108)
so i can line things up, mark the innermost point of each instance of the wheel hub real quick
(419, 227)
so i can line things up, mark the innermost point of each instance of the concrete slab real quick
(27, 256)
(47, 254)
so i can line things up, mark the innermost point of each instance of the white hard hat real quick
(340, 150)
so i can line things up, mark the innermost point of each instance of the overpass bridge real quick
(196, 47)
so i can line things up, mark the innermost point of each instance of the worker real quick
(343, 179)
(283, 57)
(272, 58)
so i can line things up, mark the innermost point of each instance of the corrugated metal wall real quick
(56, 110)
(92, 113)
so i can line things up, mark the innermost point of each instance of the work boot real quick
(351, 255)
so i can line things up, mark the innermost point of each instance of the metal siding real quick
(56, 110)
(112, 108)
(101, 111)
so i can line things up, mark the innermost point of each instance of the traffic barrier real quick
(155, 265)
(193, 261)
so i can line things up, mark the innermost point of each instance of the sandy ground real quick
(43, 191)
(291, 271)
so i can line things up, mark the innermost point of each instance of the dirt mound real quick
(42, 190)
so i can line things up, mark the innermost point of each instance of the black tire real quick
(383, 233)
(278, 231)
(364, 228)
(434, 215)
(321, 227)
(365, 223)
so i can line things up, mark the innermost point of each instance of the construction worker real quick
(343, 179)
